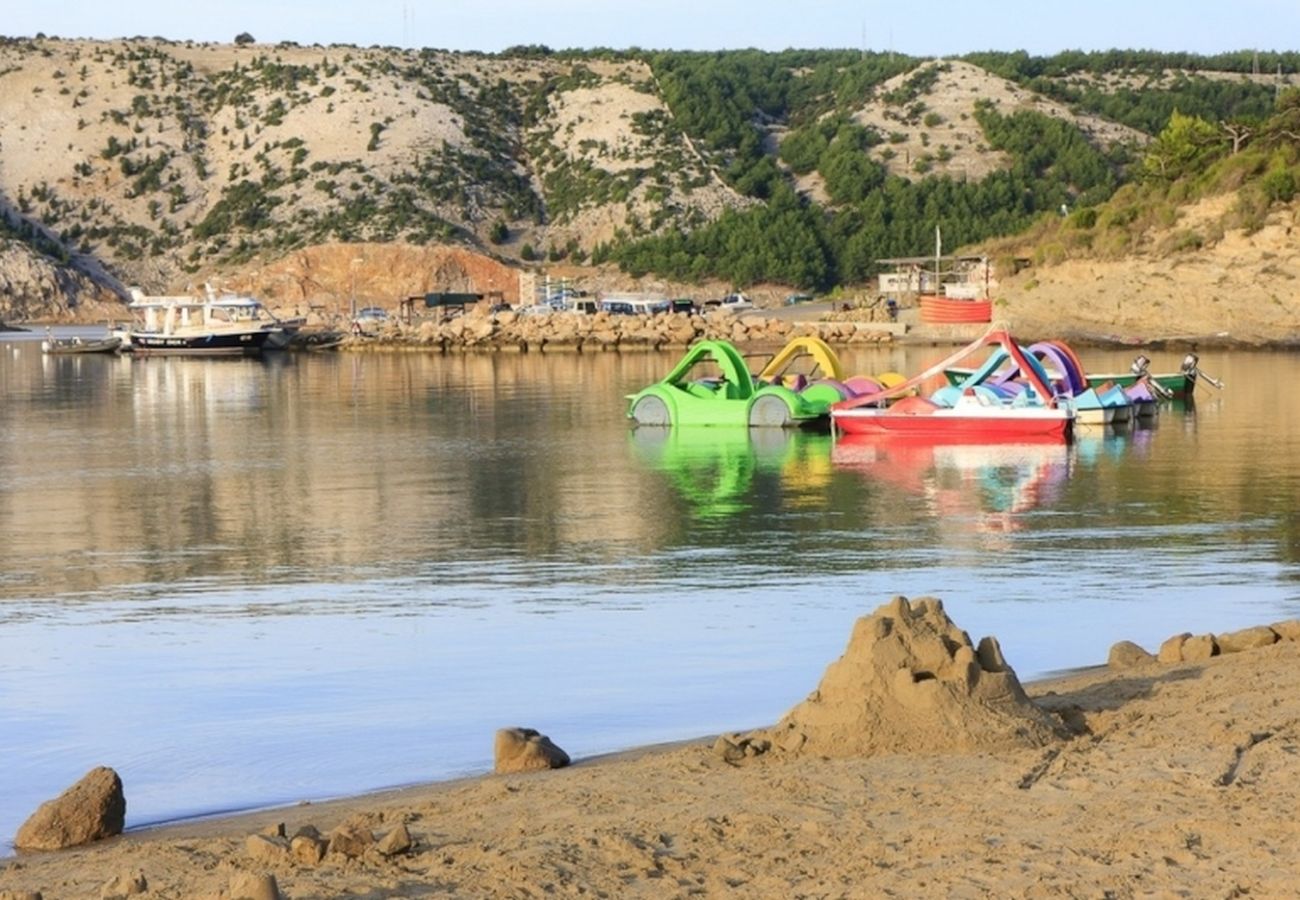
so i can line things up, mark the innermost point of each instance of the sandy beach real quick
(1163, 780)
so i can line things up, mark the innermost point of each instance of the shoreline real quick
(1176, 776)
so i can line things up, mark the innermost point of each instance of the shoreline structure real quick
(1174, 772)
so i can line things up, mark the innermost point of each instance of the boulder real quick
(526, 750)
(1171, 651)
(351, 840)
(1288, 630)
(266, 849)
(307, 849)
(911, 681)
(1246, 639)
(396, 841)
(1126, 655)
(92, 809)
(1200, 648)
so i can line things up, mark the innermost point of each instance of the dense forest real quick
(723, 100)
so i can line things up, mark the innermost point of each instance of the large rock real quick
(1126, 655)
(1246, 639)
(91, 809)
(911, 681)
(526, 750)
(1200, 648)
(1171, 651)
(351, 839)
(1288, 630)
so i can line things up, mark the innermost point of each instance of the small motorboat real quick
(65, 346)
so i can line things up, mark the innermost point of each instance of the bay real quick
(244, 583)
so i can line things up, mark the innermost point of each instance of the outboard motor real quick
(1192, 369)
(1140, 365)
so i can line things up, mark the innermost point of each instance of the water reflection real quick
(316, 540)
(715, 469)
(988, 488)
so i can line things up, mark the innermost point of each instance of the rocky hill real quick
(166, 164)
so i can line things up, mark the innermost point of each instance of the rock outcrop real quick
(92, 809)
(34, 287)
(526, 750)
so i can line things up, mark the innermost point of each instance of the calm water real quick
(253, 583)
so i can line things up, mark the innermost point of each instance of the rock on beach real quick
(92, 809)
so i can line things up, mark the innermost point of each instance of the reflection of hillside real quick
(302, 467)
(318, 468)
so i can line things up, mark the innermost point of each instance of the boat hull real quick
(1178, 384)
(960, 426)
(241, 343)
(72, 346)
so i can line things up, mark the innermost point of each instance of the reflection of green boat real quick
(724, 393)
(714, 469)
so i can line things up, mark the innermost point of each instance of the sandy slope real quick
(1181, 781)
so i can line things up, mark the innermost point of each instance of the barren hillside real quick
(927, 116)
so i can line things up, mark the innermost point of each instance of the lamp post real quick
(352, 271)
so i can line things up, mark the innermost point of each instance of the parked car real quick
(736, 301)
(684, 305)
(796, 299)
(537, 309)
(369, 319)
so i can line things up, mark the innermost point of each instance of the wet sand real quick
(1176, 780)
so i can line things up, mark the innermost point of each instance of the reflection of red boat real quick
(995, 483)
(977, 417)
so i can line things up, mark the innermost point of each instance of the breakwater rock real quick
(563, 331)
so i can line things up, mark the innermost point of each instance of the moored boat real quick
(973, 419)
(74, 345)
(188, 326)
(975, 413)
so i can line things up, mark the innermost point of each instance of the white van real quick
(634, 306)
(581, 305)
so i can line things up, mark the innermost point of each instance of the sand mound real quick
(911, 681)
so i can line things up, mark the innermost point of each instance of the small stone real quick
(125, 885)
(250, 886)
(310, 831)
(526, 750)
(728, 748)
(265, 849)
(1246, 639)
(92, 809)
(1171, 651)
(1126, 655)
(1200, 648)
(307, 849)
(396, 841)
(351, 841)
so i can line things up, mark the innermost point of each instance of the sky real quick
(915, 27)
